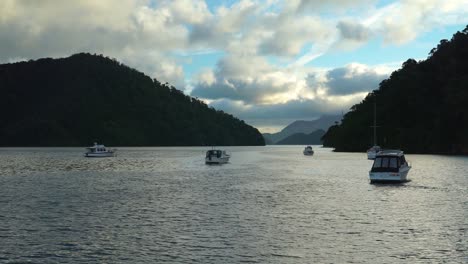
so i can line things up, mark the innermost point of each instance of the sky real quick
(267, 62)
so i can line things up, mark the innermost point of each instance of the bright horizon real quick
(266, 62)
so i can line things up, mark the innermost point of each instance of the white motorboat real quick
(98, 151)
(372, 152)
(216, 156)
(390, 166)
(308, 151)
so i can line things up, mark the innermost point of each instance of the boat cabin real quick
(96, 148)
(215, 153)
(389, 161)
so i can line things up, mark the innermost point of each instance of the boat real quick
(372, 151)
(216, 156)
(390, 166)
(308, 151)
(98, 151)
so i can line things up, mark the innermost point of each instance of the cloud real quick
(253, 90)
(164, 68)
(189, 11)
(353, 31)
(130, 31)
(288, 35)
(351, 79)
(224, 25)
(403, 21)
(249, 79)
(278, 116)
(337, 5)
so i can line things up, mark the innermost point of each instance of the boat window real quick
(377, 163)
(385, 162)
(402, 160)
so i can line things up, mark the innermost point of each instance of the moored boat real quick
(216, 156)
(390, 166)
(372, 152)
(99, 151)
(308, 151)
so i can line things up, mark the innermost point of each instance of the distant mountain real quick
(421, 108)
(301, 126)
(84, 98)
(313, 138)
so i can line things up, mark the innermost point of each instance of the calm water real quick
(268, 205)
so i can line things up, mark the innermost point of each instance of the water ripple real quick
(268, 205)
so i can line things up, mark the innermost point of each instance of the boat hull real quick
(308, 153)
(99, 155)
(389, 177)
(216, 160)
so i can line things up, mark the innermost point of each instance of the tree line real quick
(84, 98)
(420, 108)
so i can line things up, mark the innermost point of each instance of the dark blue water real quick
(268, 205)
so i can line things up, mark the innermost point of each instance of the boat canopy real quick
(214, 152)
(388, 163)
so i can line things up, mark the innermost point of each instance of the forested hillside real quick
(84, 98)
(421, 108)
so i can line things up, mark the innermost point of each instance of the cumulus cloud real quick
(131, 31)
(351, 79)
(353, 31)
(288, 35)
(284, 93)
(163, 68)
(250, 79)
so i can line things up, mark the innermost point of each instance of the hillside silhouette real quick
(313, 138)
(84, 98)
(421, 108)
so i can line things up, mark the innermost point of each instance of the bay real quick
(268, 205)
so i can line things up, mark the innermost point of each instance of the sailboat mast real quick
(375, 123)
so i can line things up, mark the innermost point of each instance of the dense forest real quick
(84, 98)
(421, 108)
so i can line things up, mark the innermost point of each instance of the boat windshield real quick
(386, 164)
(213, 153)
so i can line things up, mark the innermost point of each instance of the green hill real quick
(84, 98)
(421, 108)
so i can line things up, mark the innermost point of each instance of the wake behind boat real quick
(308, 151)
(216, 156)
(390, 166)
(99, 151)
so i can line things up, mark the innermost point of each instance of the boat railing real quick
(389, 151)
